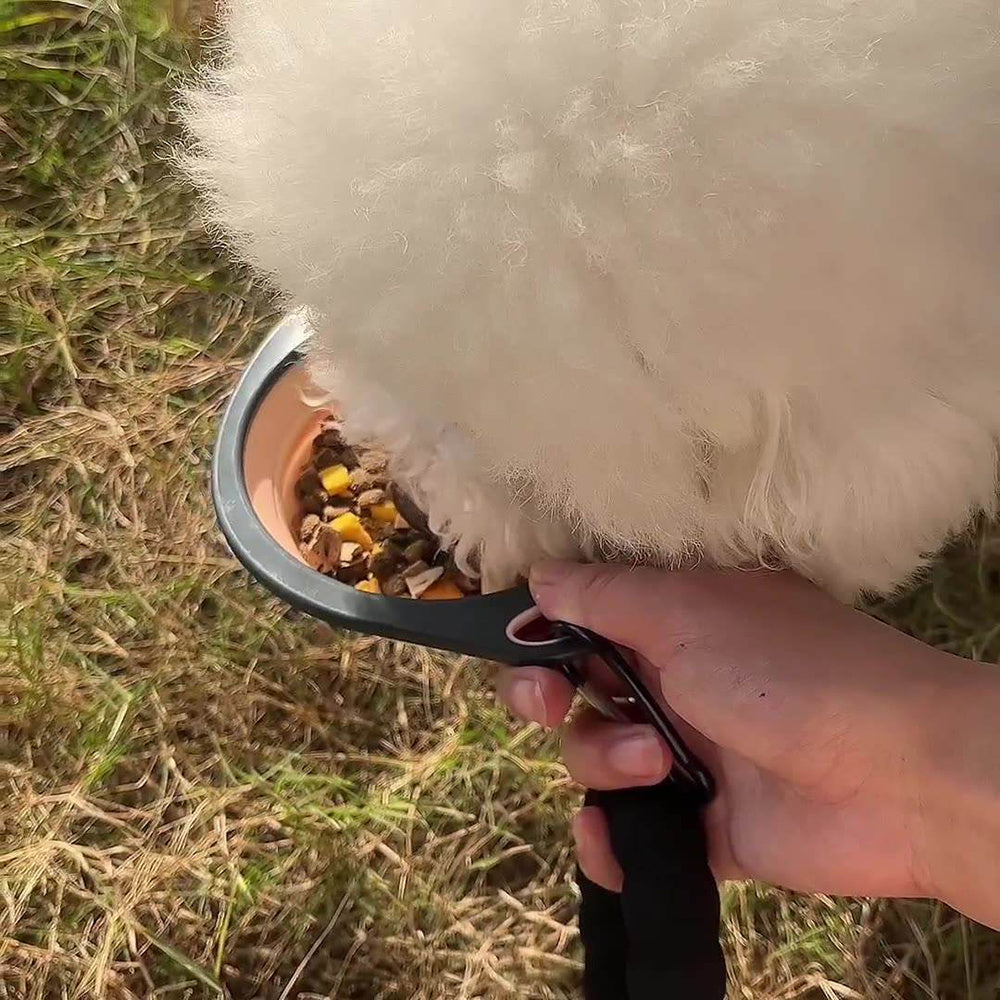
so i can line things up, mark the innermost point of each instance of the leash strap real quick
(659, 937)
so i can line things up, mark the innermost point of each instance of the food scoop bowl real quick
(264, 441)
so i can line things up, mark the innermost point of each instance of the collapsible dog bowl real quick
(264, 442)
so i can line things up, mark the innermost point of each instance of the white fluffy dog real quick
(645, 279)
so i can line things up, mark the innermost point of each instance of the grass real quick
(203, 794)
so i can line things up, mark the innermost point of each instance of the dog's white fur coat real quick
(657, 279)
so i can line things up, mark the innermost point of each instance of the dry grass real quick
(203, 794)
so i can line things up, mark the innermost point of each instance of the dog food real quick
(365, 531)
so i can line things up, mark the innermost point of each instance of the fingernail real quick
(525, 700)
(639, 755)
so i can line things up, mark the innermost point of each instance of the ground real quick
(203, 794)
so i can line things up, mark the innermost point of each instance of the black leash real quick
(659, 937)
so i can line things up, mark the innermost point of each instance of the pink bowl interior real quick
(277, 447)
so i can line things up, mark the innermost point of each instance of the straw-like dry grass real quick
(202, 794)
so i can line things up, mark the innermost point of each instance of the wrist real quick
(957, 788)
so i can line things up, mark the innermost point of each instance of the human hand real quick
(850, 759)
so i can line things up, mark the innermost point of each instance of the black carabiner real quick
(686, 766)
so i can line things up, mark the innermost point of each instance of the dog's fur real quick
(652, 279)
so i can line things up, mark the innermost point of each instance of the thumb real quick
(648, 611)
(661, 616)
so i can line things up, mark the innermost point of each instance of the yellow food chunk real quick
(385, 512)
(369, 586)
(336, 479)
(350, 529)
(443, 590)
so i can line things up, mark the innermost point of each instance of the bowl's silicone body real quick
(264, 437)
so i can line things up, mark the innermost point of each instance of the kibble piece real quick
(308, 482)
(363, 480)
(308, 528)
(336, 479)
(349, 457)
(313, 503)
(331, 513)
(328, 546)
(353, 573)
(374, 460)
(330, 437)
(416, 568)
(326, 457)
(352, 530)
(395, 586)
(422, 550)
(323, 551)
(349, 551)
(386, 559)
(417, 583)
(371, 498)
(368, 587)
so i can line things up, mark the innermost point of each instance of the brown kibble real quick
(395, 586)
(330, 512)
(380, 532)
(374, 460)
(422, 550)
(330, 437)
(401, 537)
(371, 497)
(323, 552)
(349, 551)
(362, 480)
(348, 456)
(338, 454)
(328, 545)
(325, 458)
(308, 528)
(353, 573)
(308, 482)
(386, 561)
(314, 502)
